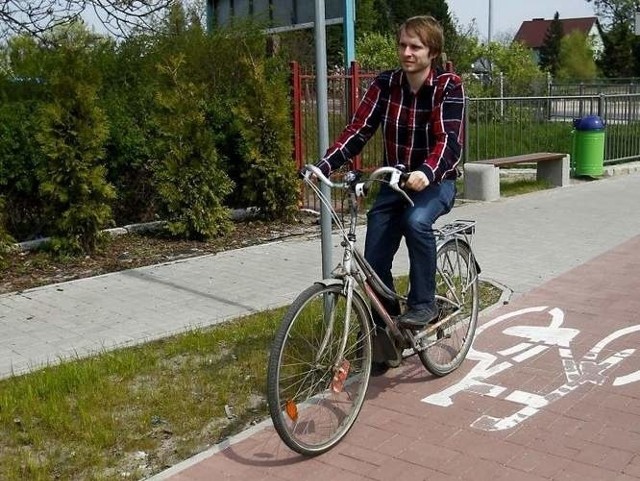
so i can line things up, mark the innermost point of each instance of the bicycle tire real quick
(308, 414)
(456, 280)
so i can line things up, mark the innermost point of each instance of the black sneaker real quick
(418, 318)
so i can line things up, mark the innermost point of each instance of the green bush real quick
(249, 114)
(20, 157)
(71, 133)
(267, 175)
(187, 172)
(90, 134)
(129, 73)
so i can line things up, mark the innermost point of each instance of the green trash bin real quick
(587, 156)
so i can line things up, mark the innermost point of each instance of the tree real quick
(621, 57)
(575, 60)
(516, 63)
(400, 10)
(463, 49)
(550, 51)
(375, 51)
(37, 18)
(615, 11)
(372, 17)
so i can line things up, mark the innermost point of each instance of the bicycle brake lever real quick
(394, 182)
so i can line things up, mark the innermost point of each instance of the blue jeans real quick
(391, 218)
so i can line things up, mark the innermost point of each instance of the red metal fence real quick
(344, 90)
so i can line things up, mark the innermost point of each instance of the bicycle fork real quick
(341, 365)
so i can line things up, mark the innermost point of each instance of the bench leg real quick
(555, 172)
(481, 182)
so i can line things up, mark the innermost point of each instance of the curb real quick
(236, 215)
(213, 450)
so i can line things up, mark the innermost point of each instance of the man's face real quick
(414, 55)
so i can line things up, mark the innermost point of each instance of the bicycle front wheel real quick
(457, 299)
(315, 394)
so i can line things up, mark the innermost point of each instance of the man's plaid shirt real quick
(422, 131)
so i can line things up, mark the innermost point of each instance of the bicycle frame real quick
(355, 270)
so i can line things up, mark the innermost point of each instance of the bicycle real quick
(320, 359)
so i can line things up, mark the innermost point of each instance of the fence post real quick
(296, 87)
(601, 104)
(501, 76)
(465, 157)
(354, 77)
(296, 120)
(549, 89)
(354, 84)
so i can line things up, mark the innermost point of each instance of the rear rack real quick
(464, 227)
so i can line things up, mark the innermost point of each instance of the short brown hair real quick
(428, 29)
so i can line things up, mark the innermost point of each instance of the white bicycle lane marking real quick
(539, 339)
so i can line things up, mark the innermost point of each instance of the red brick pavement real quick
(579, 416)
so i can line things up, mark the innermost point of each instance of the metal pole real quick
(323, 130)
(490, 26)
(349, 33)
(350, 82)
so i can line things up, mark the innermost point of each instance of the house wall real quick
(597, 45)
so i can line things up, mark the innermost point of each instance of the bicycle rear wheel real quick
(312, 405)
(457, 298)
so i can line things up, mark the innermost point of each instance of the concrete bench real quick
(482, 178)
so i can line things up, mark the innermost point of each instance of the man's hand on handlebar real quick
(417, 181)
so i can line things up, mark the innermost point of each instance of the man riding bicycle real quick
(420, 108)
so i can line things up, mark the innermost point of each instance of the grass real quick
(511, 188)
(523, 186)
(133, 411)
(129, 413)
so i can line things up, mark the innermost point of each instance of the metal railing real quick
(500, 127)
(494, 126)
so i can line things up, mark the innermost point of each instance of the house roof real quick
(532, 32)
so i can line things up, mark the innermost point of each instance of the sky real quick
(509, 14)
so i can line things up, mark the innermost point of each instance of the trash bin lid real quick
(590, 122)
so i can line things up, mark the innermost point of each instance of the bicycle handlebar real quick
(396, 179)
